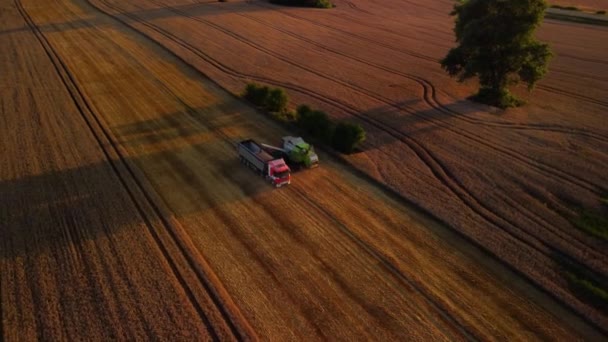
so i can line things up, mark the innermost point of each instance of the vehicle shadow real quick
(188, 159)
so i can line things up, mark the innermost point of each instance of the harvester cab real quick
(278, 172)
(300, 152)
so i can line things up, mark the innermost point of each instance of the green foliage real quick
(589, 290)
(347, 136)
(305, 3)
(584, 283)
(344, 137)
(272, 99)
(286, 116)
(276, 100)
(501, 98)
(315, 123)
(593, 223)
(323, 4)
(497, 45)
(256, 94)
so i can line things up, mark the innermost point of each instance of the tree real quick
(315, 123)
(256, 94)
(277, 100)
(497, 44)
(347, 136)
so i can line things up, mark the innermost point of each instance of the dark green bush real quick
(256, 94)
(315, 123)
(276, 100)
(347, 136)
(303, 110)
(501, 98)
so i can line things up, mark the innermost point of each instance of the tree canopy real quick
(497, 45)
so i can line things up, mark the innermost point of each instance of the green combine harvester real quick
(295, 151)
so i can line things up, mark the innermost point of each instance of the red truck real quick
(273, 169)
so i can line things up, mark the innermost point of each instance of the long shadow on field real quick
(42, 211)
(404, 118)
(196, 170)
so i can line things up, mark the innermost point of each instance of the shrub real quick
(600, 12)
(303, 110)
(256, 94)
(347, 136)
(276, 100)
(286, 116)
(323, 4)
(315, 123)
(501, 98)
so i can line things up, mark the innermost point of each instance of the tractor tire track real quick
(428, 88)
(430, 95)
(435, 166)
(507, 228)
(540, 167)
(430, 98)
(570, 94)
(393, 269)
(95, 124)
(578, 74)
(374, 253)
(418, 55)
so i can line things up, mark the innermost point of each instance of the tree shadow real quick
(403, 119)
(45, 212)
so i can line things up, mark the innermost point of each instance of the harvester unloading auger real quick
(269, 160)
(297, 152)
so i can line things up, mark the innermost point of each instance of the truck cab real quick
(278, 172)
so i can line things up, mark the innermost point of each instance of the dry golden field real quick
(125, 213)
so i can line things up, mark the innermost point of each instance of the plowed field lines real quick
(438, 169)
(95, 125)
(130, 217)
(549, 239)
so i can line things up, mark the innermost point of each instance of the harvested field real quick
(511, 181)
(582, 4)
(126, 215)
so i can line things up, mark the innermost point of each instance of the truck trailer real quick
(273, 169)
(296, 151)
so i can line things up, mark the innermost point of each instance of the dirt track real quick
(126, 205)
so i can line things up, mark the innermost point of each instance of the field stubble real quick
(179, 129)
